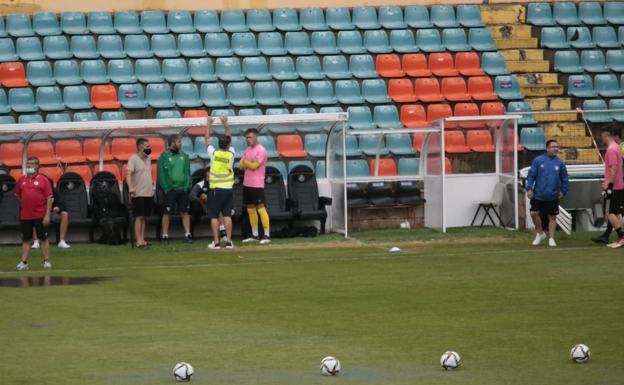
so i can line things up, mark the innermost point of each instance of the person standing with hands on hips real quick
(139, 180)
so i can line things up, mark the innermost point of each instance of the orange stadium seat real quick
(123, 148)
(389, 66)
(454, 89)
(387, 167)
(44, 151)
(16, 173)
(290, 146)
(70, 151)
(441, 64)
(428, 90)
(11, 154)
(415, 64)
(13, 75)
(480, 141)
(401, 90)
(414, 116)
(113, 169)
(481, 88)
(83, 170)
(448, 167)
(53, 173)
(468, 64)
(196, 114)
(104, 97)
(158, 146)
(92, 150)
(493, 108)
(438, 111)
(455, 142)
(468, 109)
(418, 139)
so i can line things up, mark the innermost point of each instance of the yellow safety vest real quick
(221, 173)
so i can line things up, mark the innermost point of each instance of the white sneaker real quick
(250, 239)
(47, 265)
(551, 242)
(63, 245)
(35, 244)
(539, 238)
(21, 266)
(265, 240)
(214, 246)
(229, 245)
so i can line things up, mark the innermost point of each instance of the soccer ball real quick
(182, 372)
(450, 360)
(330, 366)
(580, 353)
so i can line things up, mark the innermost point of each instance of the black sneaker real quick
(600, 239)
(265, 240)
(229, 245)
(188, 238)
(164, 239)
(251, 239)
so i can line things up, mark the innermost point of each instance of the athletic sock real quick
(221, 227)
(253, 220)
(264, 217)
(607, 231)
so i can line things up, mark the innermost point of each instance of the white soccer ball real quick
(183, 371)
(450, 360)
(580, 353)
(330, 366)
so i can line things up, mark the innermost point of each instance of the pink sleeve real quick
(263, 156)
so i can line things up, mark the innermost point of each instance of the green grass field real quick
(267, 315)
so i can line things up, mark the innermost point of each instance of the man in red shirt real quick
(35, 195)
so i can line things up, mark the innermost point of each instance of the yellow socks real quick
(253, 220)
(264, 217)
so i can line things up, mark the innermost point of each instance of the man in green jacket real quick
(174, 177)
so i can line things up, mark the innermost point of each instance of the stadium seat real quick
(132, 96)
(100, 23)
(455, 40)
(400, 144)
(493, 63)
(480, 141)
(268, 143)
(417, 16)
(481, 88)
(29, 48)
(7, 119)
(233, 20)
(414, 116)
(315, 144)
(56, 47)
(111, 47)
(312, 19)
(521, 107)
(13, 75)
(376, 41)
(168, 114)
(175, 71)
(387, 167)
(88, 116)
(11, 154)
(441, 64)
(351, 145)
(159, 95)
(553, 38)
(401, 90)
(468, 110)
(386, 116)
(596, 117)
(180, 22)
(409, 166)
(268, 94)
(507, 87)
(481, 39)
(229, 69)
(283, 68)
(164, 46)
(244, 44)
(104, 97)
(153, 22)
(357, 168)
(321, 92)
(281, 167)
(580, 37)
(44, 151)
(605, 37)
(467, 63)
(565, 14)
(186, 95)
(45, 24)
(298, 43)
(83, 171)
(361, 118)
(240, 94)
(259, 20)
(339, 18)
(335, 67)
(348, 92)
(138, 47)
(621, 34)
(92, 150)
(113, 115)
(324, 43)
(454, 89)
(567, 62)
(443, 16)
(539, 14)
(348, 42)
(494, 108)
(362, 66)
(29, 118)
(52, 172)
(581, 86)
(207, 21)
(439, 111)
(389, 66)
(615, 60)
(375, 91)
(608, 86)
(4, 104)
(614, 12)
(365, 18)
(113, 169)
(369, 143)
(256, 68)
(429, 40)
(213, 95)
(127, 23)
(403, 41)
(286, 19)
(202, 70)
(271, 44)
(533, 138)
(49, 99)
(22, 100)
(295, 93)
(309, 67)
(77, 97)
(191, 45)
(66, 72)
(123, 148)
(148, 71)
(415, 65)
(83, 47)
(73, 23)
(593, 61)
(121, 71)
(455, 142)
(290, 146)
(617, 104)
(70, 151)
(391, 17)
(428, 90)
(469, 15)
(19, 25)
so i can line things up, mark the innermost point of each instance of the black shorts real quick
(142, 206)
(27, 227)
(616, 202)
(177, 199)
(545, 207)
(253, 195)
(220, 201)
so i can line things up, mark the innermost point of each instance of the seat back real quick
(303, 188)
(73, 189)
(9, 204)
(274, 191)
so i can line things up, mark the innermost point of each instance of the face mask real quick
(147, 151)
(30, 170)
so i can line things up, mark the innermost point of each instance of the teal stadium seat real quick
(164, 46)
(617, 104)
(175, 71)
(207, 21)
(315, 145)
(615, 60)
(309, 68)
(361, 118)
(259, 20)
(148, 71)
(111, 47)
(200, 148)
(7, 50)
(362, 66)
(295, 163)
(507, 87)
(240, 94)
(376, 41)
(56, 47)
(39, 73)
(567, 62)
(83, 47)
(521, 106)
(312, 19)
(621, 34)
(348, 92)
(339, 18)
(46, 24)
(357, 168)
(295, 93)
(409, 166)
(280, 166)
(540, 14)
(5, 119)
(191, 45)
(213, 95)
(228, 69)
(28, 119)
(596, 117)
(180, 22)
(77, 98)
(186, 95)
(67, 73)
(268, 94)
(403, 41)
(298, 43)
(324, 43)
(121, 71)
(153, 22)
(3, 31)
(88, 116)
(168, 114)
(533, 138)
(29, 48)
(455, 40)
(249, 112)
(387, 116)
(429, 40)
(375, 91)
(443, 16)
(481, 39)
(368, 145)
(400, 144)
(159, 95)
(187, 147)
(417, 16)
(335, 67)
(286, 19)
(553, 38)
(240, 144)
(351, 145)
(469, 15)
(594, 61)
(233, 20)
(605, 37)
(244, 44)
(493, 63)
(269, 145)
(591, 13)
(74, 23)
(614, 12)
(202, 70)
(138, 47)
(608, 86)
(127, 23)
(391, 17)
(565, 13)
(113, 115)
(365, 18)
(19, 25)
(271, 44)
(49, 99)
(22, 100)
(321, 92)
(4, 104)
(350, 42)
(320, 169)
(283, 68)
(217, 44)
(580, 37)
(132, 96)
(100, 23)
(255, 68)
(58, 118)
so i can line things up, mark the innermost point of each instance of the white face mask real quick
(30, 170)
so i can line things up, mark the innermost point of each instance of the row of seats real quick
(605, 116)
(566, 13)
(258, 20)
(416, 116)
(605, 85)
(244, 44)
(581, 37)
(590, 61)
(440, 64)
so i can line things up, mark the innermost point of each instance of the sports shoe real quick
(47, 265)
(619, 243)
(21, 266)
(35, 244)
(539, 238)
(223, 235)
(63, 245)
(214, 246)
(251, 239)
(265, 240)
(600, 239)
(551, 242)
(229, 245)
(164, 239)
(188, 238)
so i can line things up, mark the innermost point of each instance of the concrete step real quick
(503, 14)
(541, 104)
(518, 31)
(575, 141)
(516, 43)
(542, 90)
(576, 155)
(531, 66)
(545, 78)
(564, 129)
(523, 54)
(555, 117)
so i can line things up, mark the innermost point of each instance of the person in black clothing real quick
(59, 214)
(198, 198)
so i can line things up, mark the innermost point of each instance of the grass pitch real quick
(267, 315)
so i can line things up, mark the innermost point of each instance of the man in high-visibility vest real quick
(221, 181)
